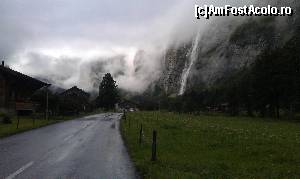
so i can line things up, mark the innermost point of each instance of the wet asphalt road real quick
(89, 147)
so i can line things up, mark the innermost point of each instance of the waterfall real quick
(188, 65)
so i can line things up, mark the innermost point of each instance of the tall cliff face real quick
(235, 48)
(174, 60)
(228, 45)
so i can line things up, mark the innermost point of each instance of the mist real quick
(75, 43)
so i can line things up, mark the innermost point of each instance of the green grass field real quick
(213, 146)
(26, 124)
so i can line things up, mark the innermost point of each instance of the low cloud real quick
(74, 42)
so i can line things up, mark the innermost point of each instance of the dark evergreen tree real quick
(108, 92)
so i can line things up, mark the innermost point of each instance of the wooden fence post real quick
(33, 120)
(124, 114)
(141, 135)
(18, 121)
(153, 157)
(129, 122)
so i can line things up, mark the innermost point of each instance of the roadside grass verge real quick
(213, 146)
(27, 123)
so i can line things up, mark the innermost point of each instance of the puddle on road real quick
(107, 119)
(113, 126)
(90, 119)
(101, 117)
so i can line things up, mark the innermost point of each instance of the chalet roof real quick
(76, 90)
(19, 78)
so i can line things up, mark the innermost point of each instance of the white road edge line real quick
(13, 175)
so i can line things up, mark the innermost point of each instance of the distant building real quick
(16, 90)
(126, 105)
(74, 100)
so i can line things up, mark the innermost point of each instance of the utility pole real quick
(47, 102)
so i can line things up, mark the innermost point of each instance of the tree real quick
(276, 76)
(108, 92)
(39, 97)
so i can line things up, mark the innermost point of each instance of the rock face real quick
(228, 45)
(235, 48)
(174, 63)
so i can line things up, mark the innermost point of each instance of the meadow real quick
(190, 146)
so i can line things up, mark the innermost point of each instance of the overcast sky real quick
(73, 24)
(56, 39)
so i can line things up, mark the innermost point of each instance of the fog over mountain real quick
(139, 42)
(225, 46)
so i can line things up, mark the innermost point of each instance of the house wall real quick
(2, 94)
(7, 97)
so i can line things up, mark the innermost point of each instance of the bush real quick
(6, 119)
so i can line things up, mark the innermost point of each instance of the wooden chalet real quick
(74, 100)
(16, 90)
